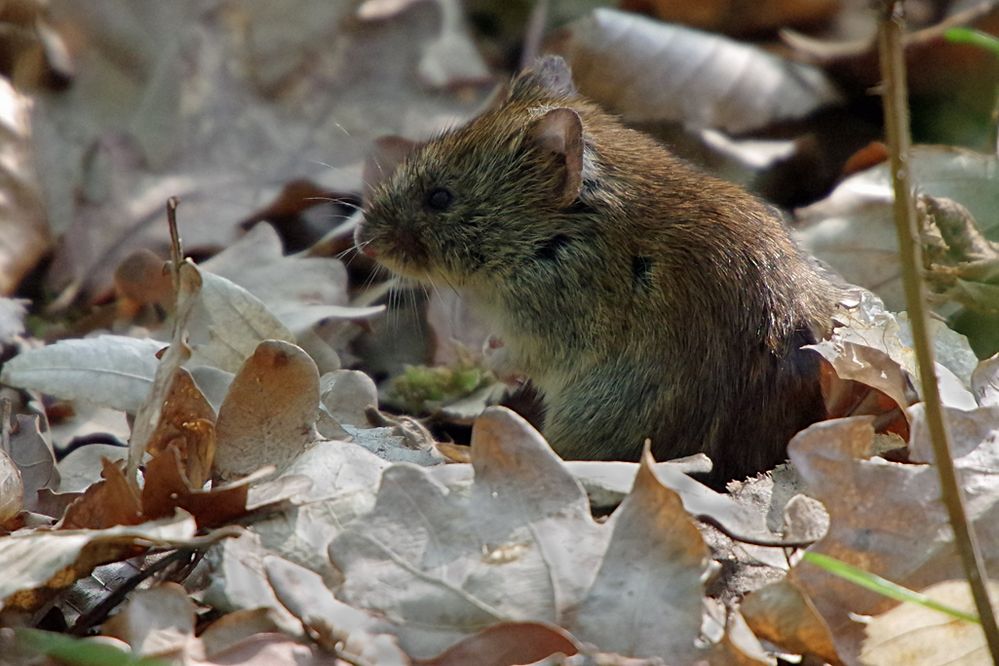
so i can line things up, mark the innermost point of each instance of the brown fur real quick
(659, 302)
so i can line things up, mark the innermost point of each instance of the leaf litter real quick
(259, 451)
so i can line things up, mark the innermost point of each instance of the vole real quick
(643, 298)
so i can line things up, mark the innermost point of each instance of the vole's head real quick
(479, 201)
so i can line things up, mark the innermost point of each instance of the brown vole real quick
(645, 299)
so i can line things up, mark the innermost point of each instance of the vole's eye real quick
(439, 198)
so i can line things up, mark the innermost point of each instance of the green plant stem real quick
(883, 586)
(894, 95)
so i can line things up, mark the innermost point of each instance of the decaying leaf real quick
(269, 415)
(888, 518)
(852, 228)
(524, 519)
(39, 563)
(910, 633)
(109, 370)
(651, 71)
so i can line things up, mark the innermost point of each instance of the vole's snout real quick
(362, 244)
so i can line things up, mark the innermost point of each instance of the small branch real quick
(895, 99)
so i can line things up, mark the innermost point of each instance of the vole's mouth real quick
(401, 251)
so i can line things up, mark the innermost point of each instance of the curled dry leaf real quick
(109, 502)
(646, 71)
(11, 489)
(167, 488)
(187, 427)
(852, 229)
(269, 416)
(782, 614)
(24, 232)
(910, 633)
(888, 518)
(524, 524)
(36, 564)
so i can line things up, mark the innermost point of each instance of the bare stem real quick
(890, 37)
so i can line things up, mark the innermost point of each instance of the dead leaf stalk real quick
(894, 98)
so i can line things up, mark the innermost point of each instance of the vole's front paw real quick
(499, 360)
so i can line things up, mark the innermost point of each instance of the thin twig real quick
(894, 95)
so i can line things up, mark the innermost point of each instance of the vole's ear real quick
(560, 132)
(383, 159)
(550, 74)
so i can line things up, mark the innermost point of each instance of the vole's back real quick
(644, 298)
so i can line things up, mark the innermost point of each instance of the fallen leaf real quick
(109, 502)
(33, 456)
(357, 634)
(649, 71)
(158, 622)
(187, 427)
(888, 518)
(910, 633)
(24, 231)
(39, 563)
(269, 416)
(852, 229)
(109, 370)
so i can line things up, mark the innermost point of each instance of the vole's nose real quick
(363, 245)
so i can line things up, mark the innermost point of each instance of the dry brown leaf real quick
(167, 488)
(187, 426)
(648, 71)
(156, 622)
(11, 490)
(781, 614)
(269, 415)
(888, 518)
(109, 502)
(734, 18)
(507, 643)
(24, 232)
(910, 633)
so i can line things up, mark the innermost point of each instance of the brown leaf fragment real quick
(654, 567)
(911, 634)
(109, 502)
(507, 643)
(11, 490)
(167, 489)
(34, 459)
(156, 622)
(24, 232)
(888, 518)
(186, 425)
(270, 412)
(781, 614)
(649, 71)
(862, 381)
